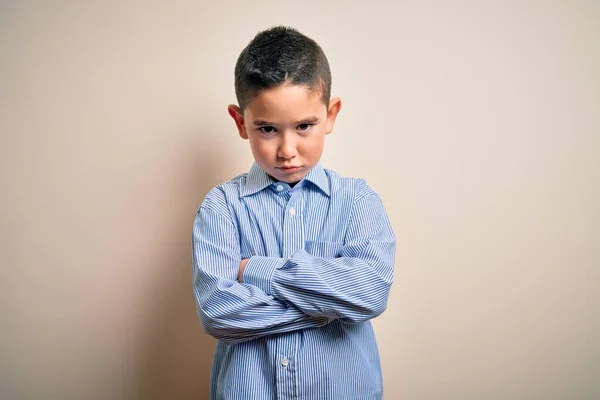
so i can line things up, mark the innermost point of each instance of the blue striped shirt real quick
(321, 260)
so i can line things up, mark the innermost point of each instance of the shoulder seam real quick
(216, 201)
(362, 190)
(220, 213)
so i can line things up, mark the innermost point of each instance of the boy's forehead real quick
(285, 102)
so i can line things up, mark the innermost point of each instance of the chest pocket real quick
(324, 249)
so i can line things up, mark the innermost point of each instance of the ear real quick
(335, 105)
(238, 117)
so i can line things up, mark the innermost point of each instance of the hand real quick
(241, 271)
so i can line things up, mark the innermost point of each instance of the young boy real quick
(291, 261)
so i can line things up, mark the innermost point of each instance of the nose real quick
(287, 147)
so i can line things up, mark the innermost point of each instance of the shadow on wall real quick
(177, 355)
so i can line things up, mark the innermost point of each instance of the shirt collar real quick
(319, 178)
(257, 180)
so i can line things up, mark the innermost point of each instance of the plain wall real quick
(477, 123)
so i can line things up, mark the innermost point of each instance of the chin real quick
(291, 178)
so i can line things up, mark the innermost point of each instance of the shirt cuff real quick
(259, 272)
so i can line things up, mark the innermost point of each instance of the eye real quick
(304, 127)
(269, 130)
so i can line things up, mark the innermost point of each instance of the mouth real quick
(288, 170)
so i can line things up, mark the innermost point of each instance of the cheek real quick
(262, 147)
(313, 146)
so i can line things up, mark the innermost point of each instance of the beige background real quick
(478, 123)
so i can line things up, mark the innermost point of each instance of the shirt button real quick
(292, 211)
(279, 188)
(285, 361)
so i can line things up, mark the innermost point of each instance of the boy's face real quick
(286, 127)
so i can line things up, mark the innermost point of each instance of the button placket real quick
(292, 239)
(293, 226)
(285, 365)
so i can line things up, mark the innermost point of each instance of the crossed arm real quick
(238, 301)
(241, 270)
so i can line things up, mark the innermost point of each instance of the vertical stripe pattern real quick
(321, 260)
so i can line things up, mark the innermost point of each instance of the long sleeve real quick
(230, 311)
(350, 281)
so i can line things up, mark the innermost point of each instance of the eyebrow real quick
(308, 120)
